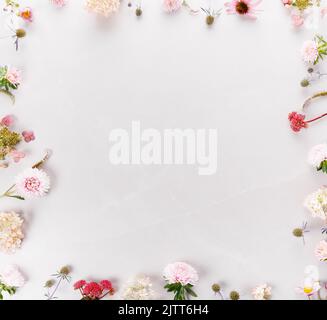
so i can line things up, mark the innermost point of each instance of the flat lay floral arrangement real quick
(179, 279)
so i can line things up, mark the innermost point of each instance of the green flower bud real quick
(234, 295)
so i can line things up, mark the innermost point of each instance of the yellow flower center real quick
(307, 290)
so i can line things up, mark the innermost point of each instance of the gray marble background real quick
(84, 76)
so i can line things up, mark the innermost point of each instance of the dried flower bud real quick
(298, 232)
(138, 12)
(49, 284)
(310, 70)
(234, 295)
(215, 287)
(20, 33)
(64, 270)
(305, 83)
(210, 20)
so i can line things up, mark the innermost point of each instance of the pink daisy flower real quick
(243, 7)
(32, 183)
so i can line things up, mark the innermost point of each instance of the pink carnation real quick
(297, 121)
(12, 277)
(14, 76)
(317, 155)
(172, 5)
(180, 272)
(32, 183)
(321, 250)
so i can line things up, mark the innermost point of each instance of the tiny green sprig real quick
(322, 48)
(181, 292)
(4, 288)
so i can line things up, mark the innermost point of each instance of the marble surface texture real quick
(84, 76)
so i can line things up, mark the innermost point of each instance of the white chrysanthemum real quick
(11, 233)
(139, 288)
(12, 277)
(317, 155)
(32, 183)
(103, 7)
(316, 203)
(180, 272)
(262, 292)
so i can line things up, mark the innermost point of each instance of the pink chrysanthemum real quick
(180, 272)
(243, 7)
(172, 5)
(32, 183)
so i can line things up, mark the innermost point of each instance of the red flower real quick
(297, 121)
(92, 290)
(106, 285)
(79, 284)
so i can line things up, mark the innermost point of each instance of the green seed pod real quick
(210, 20)
(234, 295)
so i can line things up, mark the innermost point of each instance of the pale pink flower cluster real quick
(316, 203)
(103, 7)
(139, 288)
(59, 3)
(172, 5)
(12, 277)
(11, 233)
(321, 250)
(317, 155)
(32, 183)
(180, 272)
(262, 292)
(310, 52)
(14, 76)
